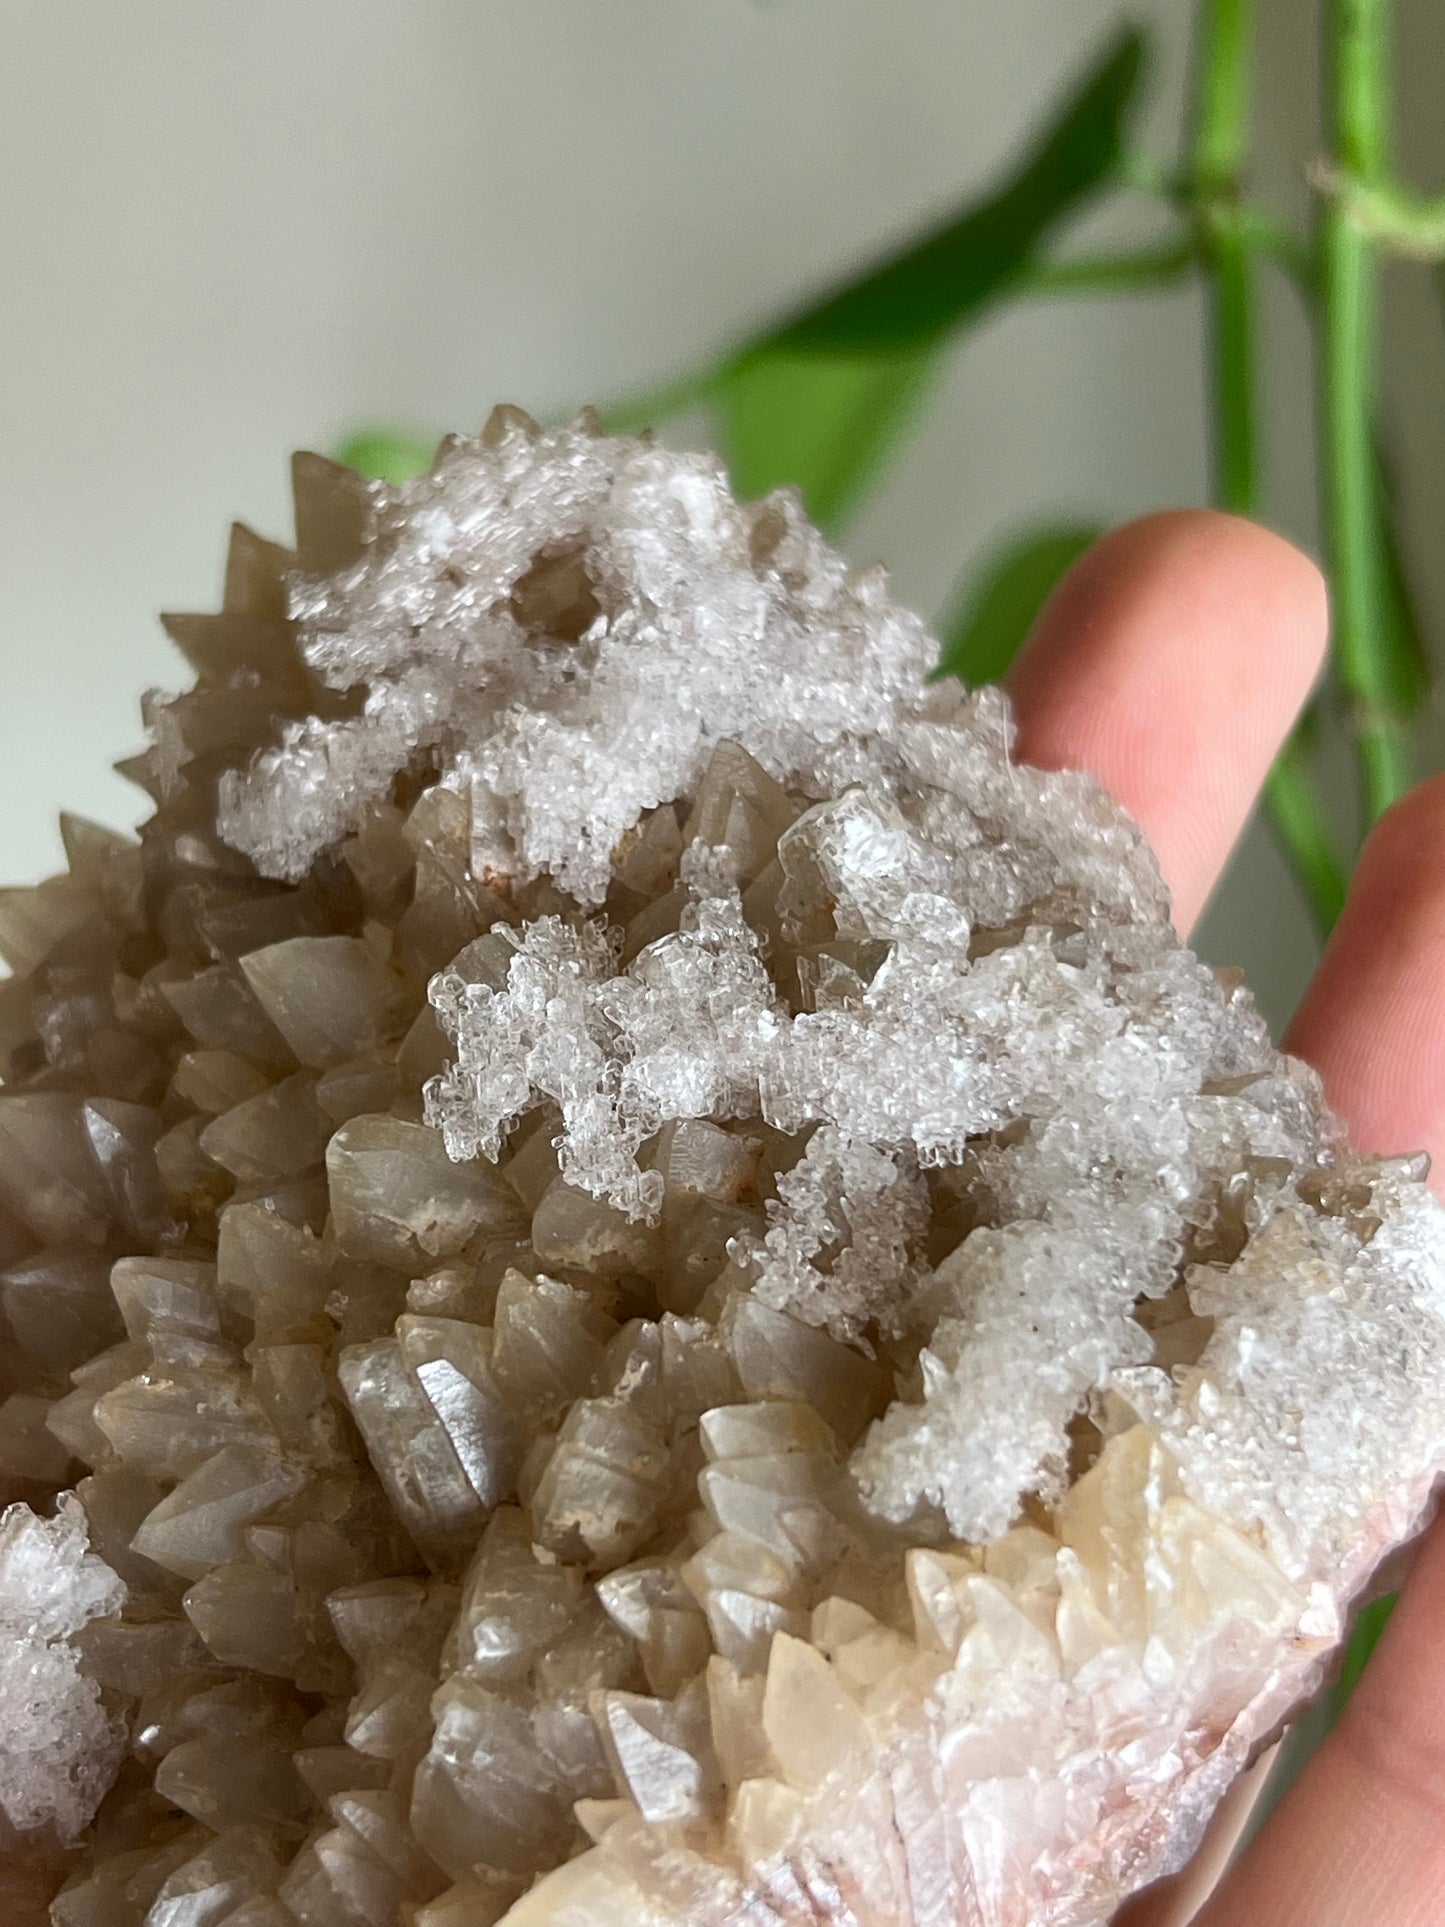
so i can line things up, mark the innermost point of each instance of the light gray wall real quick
(230, 229)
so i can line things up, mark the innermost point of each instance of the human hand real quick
(1172, 663)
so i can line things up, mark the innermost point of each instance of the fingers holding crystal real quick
(1172, 662)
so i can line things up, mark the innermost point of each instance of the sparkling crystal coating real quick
(555, 623)
(59, 1746)
(667, 1298)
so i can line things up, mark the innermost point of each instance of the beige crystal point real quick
(667, 1299)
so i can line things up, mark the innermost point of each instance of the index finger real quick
(1172, 663)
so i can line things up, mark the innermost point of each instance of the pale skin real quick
(1172, 663)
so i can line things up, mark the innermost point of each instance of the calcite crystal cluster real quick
(666, 1297)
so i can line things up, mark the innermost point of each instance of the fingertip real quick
(1373, 1020)
(1172, 661)
(1403, 855)
(1218, 558)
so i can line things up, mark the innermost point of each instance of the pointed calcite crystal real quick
(665, 1296)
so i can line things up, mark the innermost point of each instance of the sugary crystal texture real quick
(59, 1745)
(666, 1297)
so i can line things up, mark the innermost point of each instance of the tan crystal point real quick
(668, 1300)
(199, 1525)
(400, 1201)
(330, 997)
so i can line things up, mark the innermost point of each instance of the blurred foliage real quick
(1371, 1623)
(382, 456)
(822, 399)
(820, 421)
(984, 630)
(922, 293)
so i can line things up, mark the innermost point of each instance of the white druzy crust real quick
(720, 1325)
(59, 1746)
(564, 742)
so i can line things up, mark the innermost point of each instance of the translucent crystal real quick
(278, 1134)
(400, 1201)
(451, 1362)
(330, 997)
(682, 1033)
(478, 1901)
(661, 1753)
(847, 1195)
(411, 1448)
(198, 1525)
(59, 1308)
(170, 1305)
(48, 1172)
(30, 1453)
(235, 1779)
(547, 1344)
(211, 1887)
(486, 1791)
(249, 1616)
(809, 1719)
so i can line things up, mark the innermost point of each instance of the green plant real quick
(824, 399)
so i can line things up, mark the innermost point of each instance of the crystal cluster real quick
(59, 1748)
(665, 1296)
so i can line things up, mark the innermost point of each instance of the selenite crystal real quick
(666, 1297)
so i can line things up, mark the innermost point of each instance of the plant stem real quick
(1229, 238)
(1226, 52)
(1127, 273)
(1351, 325)
(1275, 240)
(1220, 152)
(1405, 222)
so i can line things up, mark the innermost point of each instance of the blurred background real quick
(232, 230)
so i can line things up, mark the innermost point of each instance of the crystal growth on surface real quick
(665, 1297)
(59, 1745)
(557, 623)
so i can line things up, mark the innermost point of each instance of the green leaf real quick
(983, 631)
(630, 414)
(822, 400)
(929, 287)
(1371, 1623)
(382, 456)
(823, 422)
